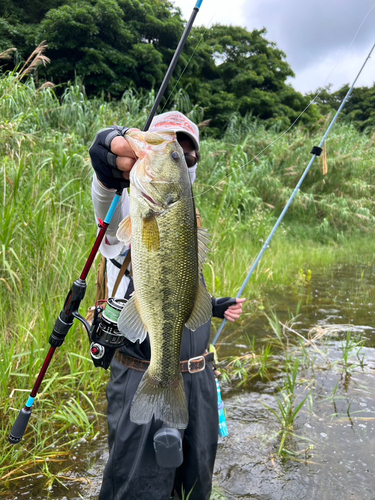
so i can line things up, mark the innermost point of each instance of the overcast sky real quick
(325, 41)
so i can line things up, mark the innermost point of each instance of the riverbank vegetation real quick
(47, 231)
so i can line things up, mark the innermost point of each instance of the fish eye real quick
(175, 156)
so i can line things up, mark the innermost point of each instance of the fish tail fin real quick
(167, 404)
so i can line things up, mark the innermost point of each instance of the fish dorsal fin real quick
(150, 233)
(124, 231)
(202, 310)
(130, 323)
(203, 242)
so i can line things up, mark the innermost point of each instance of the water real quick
(334, 446)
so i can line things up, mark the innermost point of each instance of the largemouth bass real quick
(168, 252)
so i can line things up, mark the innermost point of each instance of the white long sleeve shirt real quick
(111, 247)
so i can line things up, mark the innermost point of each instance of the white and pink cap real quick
(177, 122)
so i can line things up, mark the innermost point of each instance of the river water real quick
(332, 450)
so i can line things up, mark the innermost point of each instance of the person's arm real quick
(102, 198)
(112, 159)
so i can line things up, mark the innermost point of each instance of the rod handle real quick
(19, 427)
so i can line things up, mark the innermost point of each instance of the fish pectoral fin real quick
(130, 323)
(124, 231)
(202, 310)
(150, 233)
(204, 239)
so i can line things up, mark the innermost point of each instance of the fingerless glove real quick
(219, 306)
(104, 161)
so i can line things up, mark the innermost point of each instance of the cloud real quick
(316, 34)
(335, 70)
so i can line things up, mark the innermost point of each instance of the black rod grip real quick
(19, 427)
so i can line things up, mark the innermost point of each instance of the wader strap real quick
(199, 218)
(121, 272)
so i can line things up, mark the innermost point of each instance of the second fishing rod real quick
(316, 151)
(99, 329)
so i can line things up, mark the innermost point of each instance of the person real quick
(132, 471)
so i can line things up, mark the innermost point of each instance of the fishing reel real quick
(104, 334)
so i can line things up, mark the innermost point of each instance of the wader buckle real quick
(196, 359)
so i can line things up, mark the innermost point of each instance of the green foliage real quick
(117, 45)
(242, 370)
(28, 11)
(44, 231)
(358, 110)
(288, 407)
(133, 52)
(252, 189)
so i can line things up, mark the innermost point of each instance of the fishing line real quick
(298, 117)
(351, 43)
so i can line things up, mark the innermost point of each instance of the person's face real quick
(188, 149)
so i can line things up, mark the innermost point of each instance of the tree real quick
(111, 44)
(27, 11)
(359, 108)
(245, 73)
(114, 45)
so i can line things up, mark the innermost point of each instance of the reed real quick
(288, 408)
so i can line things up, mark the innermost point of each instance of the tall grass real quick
(241, 194)
(47, 230)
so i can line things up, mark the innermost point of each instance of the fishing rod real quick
(97, 331)
(173, 63)
(316, 151)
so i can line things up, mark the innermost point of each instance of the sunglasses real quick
(190, 160)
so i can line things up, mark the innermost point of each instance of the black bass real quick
(168, 252)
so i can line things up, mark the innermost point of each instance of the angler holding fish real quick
(167, 317)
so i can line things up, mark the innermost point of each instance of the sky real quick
(325, 41)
